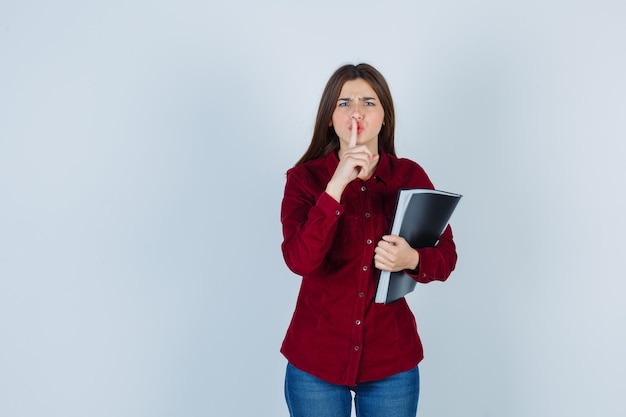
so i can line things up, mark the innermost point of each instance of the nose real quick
(356, 114)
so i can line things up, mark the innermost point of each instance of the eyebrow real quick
(360, 98)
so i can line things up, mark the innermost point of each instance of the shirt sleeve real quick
(309, 222)
(438, 262)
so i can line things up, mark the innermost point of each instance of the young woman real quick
(336, 212)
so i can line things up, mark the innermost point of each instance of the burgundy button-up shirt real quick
(337, 332)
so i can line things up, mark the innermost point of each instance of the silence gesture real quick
(357, 161)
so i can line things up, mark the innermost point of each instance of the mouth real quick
(359, 127)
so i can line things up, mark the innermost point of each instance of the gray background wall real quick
(143, 146)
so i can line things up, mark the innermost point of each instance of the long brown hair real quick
(325, 139)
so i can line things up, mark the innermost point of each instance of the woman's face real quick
(358, 101)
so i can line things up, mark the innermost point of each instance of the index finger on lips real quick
(353, 134)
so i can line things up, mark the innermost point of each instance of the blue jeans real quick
(309, 396)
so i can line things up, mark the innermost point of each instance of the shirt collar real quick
(383, 169)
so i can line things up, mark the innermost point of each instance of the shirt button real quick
(367, 215)
(363, 188)
(358, 322)
(356, 348)
(365, 268)
(369, 241)
(337, 212)
(361, 294)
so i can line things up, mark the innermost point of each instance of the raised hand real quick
(357, 161)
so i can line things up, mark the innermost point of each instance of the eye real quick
(343, 104)
(369, 104)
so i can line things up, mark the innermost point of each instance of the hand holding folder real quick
(420, 218)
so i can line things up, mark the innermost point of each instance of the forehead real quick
(357, 88)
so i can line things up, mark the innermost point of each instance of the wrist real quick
(334, 191)
(416, 261)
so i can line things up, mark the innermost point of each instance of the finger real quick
(391, 239)
(384, 251)
(358, 160)
(353, 134)
(361, 151)
(380, 257)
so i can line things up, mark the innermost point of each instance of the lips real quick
(359, 127)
